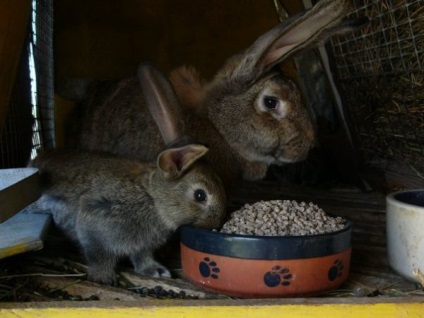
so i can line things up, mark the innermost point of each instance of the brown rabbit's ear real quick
(174, 161)
(304, 30)
(188, 85)
(162, 102)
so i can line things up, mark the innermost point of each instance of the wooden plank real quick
(14, 17)
(299, 308)
(268, 190)
(82, 290)
(22, 233)
(19, 187)
(370, 276)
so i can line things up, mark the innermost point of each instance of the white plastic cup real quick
(405, 233)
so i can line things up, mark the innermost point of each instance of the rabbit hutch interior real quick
(311, 103)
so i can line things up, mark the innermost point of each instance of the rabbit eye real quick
(200, 195)
(270, 102)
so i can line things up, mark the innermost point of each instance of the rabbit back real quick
(127, 204)
(125, 200)
(116, 119)
(103, 191)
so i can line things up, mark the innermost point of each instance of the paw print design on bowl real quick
(278, 276)
(336, 270)
(265, 267)
(208, 268)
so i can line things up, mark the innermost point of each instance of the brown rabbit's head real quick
(258, 111)
(266, 122)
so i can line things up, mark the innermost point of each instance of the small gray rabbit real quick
(249, 115)
(115, 207)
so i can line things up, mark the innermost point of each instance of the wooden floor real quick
(57, 272)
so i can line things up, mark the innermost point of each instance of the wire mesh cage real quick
(29, 123)
(380, 72)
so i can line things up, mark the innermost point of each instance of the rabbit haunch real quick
(248, 114)
(116, 208)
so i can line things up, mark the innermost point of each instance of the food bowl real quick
(405, 234)
(265, 266)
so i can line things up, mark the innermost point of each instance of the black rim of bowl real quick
(266, 247)
(412, 197)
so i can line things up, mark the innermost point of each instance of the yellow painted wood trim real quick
(14, 17)
(350, 310)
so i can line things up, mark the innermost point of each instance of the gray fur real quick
(116, 208)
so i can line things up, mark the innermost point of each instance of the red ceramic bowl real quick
(265, 266)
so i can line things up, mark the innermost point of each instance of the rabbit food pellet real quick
(281, 218)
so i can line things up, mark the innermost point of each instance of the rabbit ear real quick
(174, 161)
(301, 31)
(162, 102)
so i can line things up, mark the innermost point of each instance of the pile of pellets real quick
(281, 218)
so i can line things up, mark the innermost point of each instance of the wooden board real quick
(22, 233)
(289, 308)
(372, 290)
(19, 187)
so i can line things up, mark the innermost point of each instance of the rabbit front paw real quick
(155, 270)
(147, 266)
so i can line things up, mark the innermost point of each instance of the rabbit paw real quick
(102, 277)
(145, 265)
(154, 270)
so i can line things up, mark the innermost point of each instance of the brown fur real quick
(188, 86)
(229, 113)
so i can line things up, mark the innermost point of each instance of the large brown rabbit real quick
(117, 207)
(249, 115)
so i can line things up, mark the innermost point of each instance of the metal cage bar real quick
(29, 124)
(380, 70)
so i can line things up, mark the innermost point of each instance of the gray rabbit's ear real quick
(299, 32)
(161, 101)
(174, 161)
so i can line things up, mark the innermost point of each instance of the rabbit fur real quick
(249, 115)
(116, 207)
